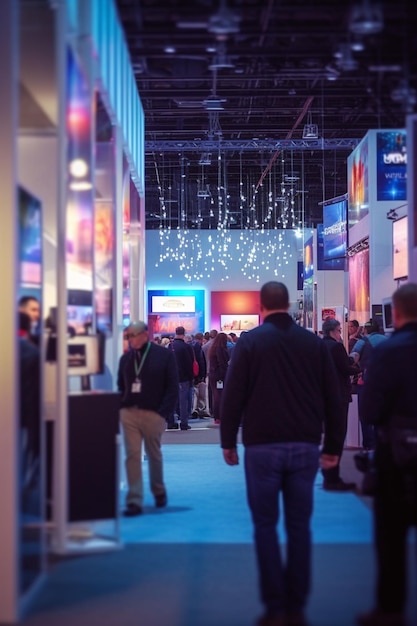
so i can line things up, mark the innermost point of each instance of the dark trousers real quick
(368, 430)
(395, 511)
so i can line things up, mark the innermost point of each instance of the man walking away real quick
(282, 386)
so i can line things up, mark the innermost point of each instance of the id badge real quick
(136, 386)
(219, 384)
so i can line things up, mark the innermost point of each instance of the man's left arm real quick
(374, 404)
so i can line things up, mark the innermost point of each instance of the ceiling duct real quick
(224, 22)
(214, 103)
(366, 19)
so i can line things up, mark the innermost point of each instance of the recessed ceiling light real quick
(170, 49)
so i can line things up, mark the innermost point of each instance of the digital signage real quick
(391, 165)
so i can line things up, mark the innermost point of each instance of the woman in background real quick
(219, 360)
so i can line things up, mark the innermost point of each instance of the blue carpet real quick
(207, 504)
(193, 563)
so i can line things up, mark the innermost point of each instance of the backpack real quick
(365, 357)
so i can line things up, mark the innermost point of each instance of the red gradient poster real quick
(359, 298)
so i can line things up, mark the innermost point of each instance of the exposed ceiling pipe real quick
(288, 136)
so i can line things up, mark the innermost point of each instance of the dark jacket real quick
(184, 358)
(344, 367)
(219, 360)
(282, 384)
(159, 381)
(201, 360)
(391, 384)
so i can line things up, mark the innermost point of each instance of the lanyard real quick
(138, 368)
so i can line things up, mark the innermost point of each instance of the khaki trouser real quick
(141, 425)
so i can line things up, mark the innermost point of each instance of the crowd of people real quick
(287, 390)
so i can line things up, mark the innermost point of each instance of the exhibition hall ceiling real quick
(252, 107)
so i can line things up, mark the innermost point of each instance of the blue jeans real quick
(184, 402)
(290, 469)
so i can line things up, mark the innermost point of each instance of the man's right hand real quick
(231, 456)
(327, 461)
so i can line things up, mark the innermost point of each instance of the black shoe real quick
(161, 500)
(194, 414)
(379, 618)
(132, 510)
(340, 485)
(173, 426)
(188, 427)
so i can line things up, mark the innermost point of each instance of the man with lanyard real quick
(148, 383)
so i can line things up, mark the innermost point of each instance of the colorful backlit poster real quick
(359, 298)
(172, 309)
(358, 183)
(391, 165)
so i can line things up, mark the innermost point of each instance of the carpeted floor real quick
(193, 563)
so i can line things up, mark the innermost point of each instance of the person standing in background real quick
(147, 380)
(361, 354)
(206, 349)
(219, 359)
(184, 357)
(389, 397)
(332, 332)
(31, 306)
(281, 385)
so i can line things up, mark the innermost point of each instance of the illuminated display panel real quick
(30, 240)
(335, 230)
(400, 248)
(83, 356)
(238, 323)
(171, 304)
(359, 286)
(391, 165)
(80, 208)
(358, 183)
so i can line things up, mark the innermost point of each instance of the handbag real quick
(196, 367)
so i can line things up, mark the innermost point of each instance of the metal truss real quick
(237, 145)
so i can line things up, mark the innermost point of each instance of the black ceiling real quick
(229, 88)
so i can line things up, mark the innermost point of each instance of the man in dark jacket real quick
(281, 385)
(389, 395)
(345, 367)
(184, 357)
(148, 383)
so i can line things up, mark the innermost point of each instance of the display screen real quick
(358, 183)
(391, 165)
(308, 259)
(83, 356)
(387, 315)
(238, 323)
(400, 248)
(30, 238)
(170, 304)
(334, 230)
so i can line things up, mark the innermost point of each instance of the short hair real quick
(330, 324)
(137, 327)
(24, 300)
(274, 295)
(354, 323)
(405, 300)
(371, 327)
(199, 336)
(180, 330)
(213, 333)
